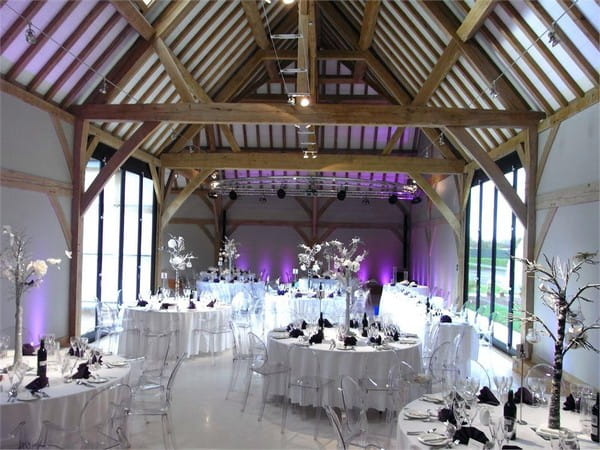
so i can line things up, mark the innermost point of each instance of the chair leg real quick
(266, 380)
(318, 414)
(248, 383)
(284, 411)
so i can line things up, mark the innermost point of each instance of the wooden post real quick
(531, 148)
(79, 147)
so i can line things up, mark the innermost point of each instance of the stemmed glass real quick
(503, 384)
(468, 389)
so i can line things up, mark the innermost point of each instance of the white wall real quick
(573, 161)
(29, 144)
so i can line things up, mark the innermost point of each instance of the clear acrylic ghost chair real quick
(93, 431)
(430, 343)
(338, 431)
(312, 381)
(441, 368)
(159, 405)
(261, 365)
(478, 371)
(14, 438)
(107, 325)
(354, 424)
(206, 333)
(241, 353)
(156, 347)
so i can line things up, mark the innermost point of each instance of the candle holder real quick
(521, 355)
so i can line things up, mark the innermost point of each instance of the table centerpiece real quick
(228, 254)
(308, 261)
(178, 258)
(17, 266)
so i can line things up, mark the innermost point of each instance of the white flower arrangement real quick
(308, 259)
(346, 260)
(229, 251)
(178, 259)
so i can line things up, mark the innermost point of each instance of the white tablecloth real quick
(328, 284)
(64, 405)
(283, 309)
(184, 320)
(469, 347)
(526, 437)
(225, 291)
(335, 363)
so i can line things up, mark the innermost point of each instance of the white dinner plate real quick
(27, 396)
(117, 363)
(280, 329)
(350, 347)
(433, 439)
(97, 380)
(415, 414)
(280, 335)
(432, 398)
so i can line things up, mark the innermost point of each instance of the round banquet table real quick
(225, 291)
(65, 402)
(526, 437)
(178, 318)
(364, 360)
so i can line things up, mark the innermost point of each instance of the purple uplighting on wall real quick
(35, 309)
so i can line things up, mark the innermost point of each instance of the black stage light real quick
(232, 195)
(281, 193)
(393, 199)
(416, 200)
(341, 195)
(212, 194)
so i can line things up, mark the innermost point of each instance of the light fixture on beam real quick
(304, 101)
(103, 89)
(493, 92)
(281, 193)
(30, 36)
(293, 70)
(553, 38)
(284, 36)
(288, 2)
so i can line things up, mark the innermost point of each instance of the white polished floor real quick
(202, 418)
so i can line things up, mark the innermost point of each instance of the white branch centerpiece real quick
(228, 254)
(17, 267)
(308, 260)
(554, 279)
(346, 264)
(178, 258)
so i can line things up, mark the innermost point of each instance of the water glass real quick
(585, 412)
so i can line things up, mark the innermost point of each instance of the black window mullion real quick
(138, 264)
(467, 253)
(121, 237)
(479, 226)
(100, 245)
(513, 246)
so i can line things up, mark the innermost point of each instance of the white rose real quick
(171, 243)
(53, 261)
(188, 265)
(355, 266)
(39, 267)
(176, 260)
(302, 267)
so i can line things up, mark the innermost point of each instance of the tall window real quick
(118, 238)
(493, 279)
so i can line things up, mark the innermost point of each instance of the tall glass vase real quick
(18, 357)
(176, 284)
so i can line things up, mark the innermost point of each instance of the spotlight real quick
(212, 194)
(281, 193)
(304, 101)
(493, 92)
(288, 2)
(366, 201)
(393, 199)
(291, 100)
(553, 38)
(341, 195)
(232, 195)
(30, 36)
(262, 199)
(103, 89)
(416, 200)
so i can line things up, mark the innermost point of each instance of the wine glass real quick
(503, 384)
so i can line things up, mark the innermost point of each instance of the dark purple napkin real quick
(304, 325)
(327, 323)
(511, 447)
(296, 333)
(350, 341)
(570, 404)
(297, 295)
(165, 305)
(191, 305)
(37, 384)
(353, 323)
(465, 433)
(330, 295)
(316, 338)
(83, 371)
(396, 336)
(376, 340)
(142, 303)
(211, 304)
(527, 397)
(28, 350)
(446, 415)
(281, 291)
(486, 396)
(445, 319)
(96, 359)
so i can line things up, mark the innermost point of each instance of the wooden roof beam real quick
(367, 31)
(188, 190)
(325, 162)
(134, 17)
(243, 113)
(475, 18)
(260, 36)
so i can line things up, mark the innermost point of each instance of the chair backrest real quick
(105, 431)
(14, 438)
(106, 314)
(337, 427)
(539, 378)
(441, 365)
(353, 404)
(156, 348)
(172, 377)
(258, 351)
(480, 372)
(238, 347)
(304, 360)
(431, 338)
(136, 367)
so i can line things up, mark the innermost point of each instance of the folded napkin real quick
(216, 280)
(304, 325)
(191, 305)
(350, 341)
(445, 319)
(298, 295)
(142, 303)
(511, 447)
(396, 336)
(96, 359)
(83, 371)
(165, 305)
(73, 352)
(353, 323)
(527, 397)
(296, 333)
(465, 433)
(28, 350)
(37, 384)
(316, 338)
(486, 396)
(446, 415)
(211, 304)
(327, 323)
(330, 295)
(376, 340)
